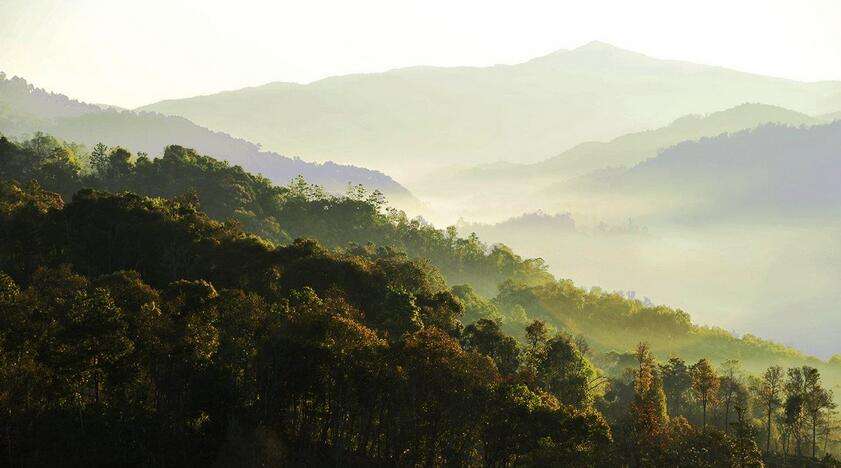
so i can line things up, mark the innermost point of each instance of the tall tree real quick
(729, 389)
(649, 416)
(768, 392)
(817, 400)
(705, 384)
(677, 383)
(795, 406)
(537, 333)
(745, 451)
(99, 159)
(564, 372)
(485, 337)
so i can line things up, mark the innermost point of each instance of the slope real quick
(423, 117)
(25, 110)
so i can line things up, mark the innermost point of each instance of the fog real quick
(778, 281)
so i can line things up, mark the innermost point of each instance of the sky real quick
(131, 53)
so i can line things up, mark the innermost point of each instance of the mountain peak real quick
(593, 50)
(596, 46)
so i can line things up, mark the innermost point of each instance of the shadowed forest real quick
(163, 315)
(420, 234)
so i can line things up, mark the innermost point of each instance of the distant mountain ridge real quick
(535, 182)
(25, 109)
(768, 173)
(628, 150)
(426, 117)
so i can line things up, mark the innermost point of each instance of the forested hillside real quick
(359, 223)
(277, 213)
(741, 229)
(139, 331)
(26, 110)
(148, 334)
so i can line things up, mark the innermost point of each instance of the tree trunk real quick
(826, 438)
(785, 448)
(727, 416)
(768, 433)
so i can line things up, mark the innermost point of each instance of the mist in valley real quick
(389, 233)
(777, 281)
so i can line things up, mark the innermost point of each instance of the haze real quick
(135, 53)
(405, 233)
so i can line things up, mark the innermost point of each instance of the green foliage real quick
(476, 307)
(613, 323)
(648, 413)
(138, 331)
(144, 331)
(486, 337)
(279, 214)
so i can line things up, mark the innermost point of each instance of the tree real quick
(768, 391)
(486, 337)
(705, 384)
(677, 383)
(690, 446)
(537, 333)
(730, 389)
(649, 416)
(527, 428)
(99, 159)
(795, 406)
(745, 452)
(817, 400)
(564, 372)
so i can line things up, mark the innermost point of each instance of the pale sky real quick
(130, 53)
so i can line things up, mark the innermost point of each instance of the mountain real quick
(425, 117)
(137, 316)
(741, 228)
(768, 172)
(415, 256)
(633, 148)
(518, 185)
(531, 224)
(25, 109)
(630, 149)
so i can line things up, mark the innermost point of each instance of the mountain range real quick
(513, 188)
(716, 188)
(626, 150)
(764, 173)
(425, 117)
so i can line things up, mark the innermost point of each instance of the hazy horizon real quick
(132, 55)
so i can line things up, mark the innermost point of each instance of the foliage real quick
(138, 330)
(279, 214)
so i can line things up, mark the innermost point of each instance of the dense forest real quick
(279, 214)
(180, 311)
